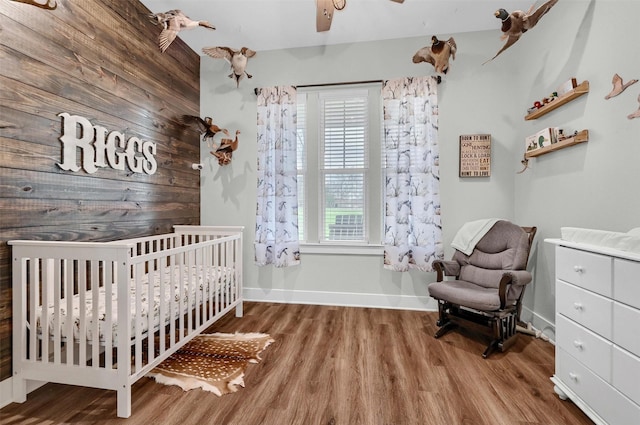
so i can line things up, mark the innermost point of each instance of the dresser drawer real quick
(610, 404)
(626, 282)
(589, 309)
(626, 374)
(591, 349)
(584, 269)
(626, 328)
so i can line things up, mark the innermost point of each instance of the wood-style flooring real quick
(339, 366)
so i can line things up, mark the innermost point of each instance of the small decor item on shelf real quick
(237, 58)
(172, 23)
(518, 22)
(635, 114)
(618, 86)
(437, 54)
(567, 86)
(541, 139)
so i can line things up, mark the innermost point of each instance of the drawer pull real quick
(578, 306)
(578, 345)
(578, 269)
(573, 376)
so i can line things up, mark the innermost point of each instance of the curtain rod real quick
(344, 83)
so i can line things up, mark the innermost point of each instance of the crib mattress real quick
(176, 294)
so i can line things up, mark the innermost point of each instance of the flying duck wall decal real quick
(437, 54)
(516, 23)
(618, 86)
(173, 22)
(227, 146)
(207, 128)
(237, 58)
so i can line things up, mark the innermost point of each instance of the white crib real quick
(103, 314)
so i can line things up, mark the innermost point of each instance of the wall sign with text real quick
(96, 147)
(475, 155)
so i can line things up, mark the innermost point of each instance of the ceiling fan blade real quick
(398, 1)
(324, 15)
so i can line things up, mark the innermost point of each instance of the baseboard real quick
(540, 323)
(343, 299)
(6, 390)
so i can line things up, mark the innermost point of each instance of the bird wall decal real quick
(635, 114)
(172, 23)
(207, 128)
(618, 86)
(227, 146)
(516, 23)
(437, 54)
(237, 58)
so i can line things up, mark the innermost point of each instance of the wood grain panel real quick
(99, 60)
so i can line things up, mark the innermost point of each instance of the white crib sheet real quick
(217, 280)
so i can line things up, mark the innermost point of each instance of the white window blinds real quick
(343, 165)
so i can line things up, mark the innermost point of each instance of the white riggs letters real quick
(100, 149)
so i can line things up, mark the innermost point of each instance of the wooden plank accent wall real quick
(99, 60)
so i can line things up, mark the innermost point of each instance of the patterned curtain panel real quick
(413, 228)
(276, 240)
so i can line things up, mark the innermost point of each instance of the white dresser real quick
(598, 331)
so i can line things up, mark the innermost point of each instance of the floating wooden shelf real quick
(581, 89)
(581, 137)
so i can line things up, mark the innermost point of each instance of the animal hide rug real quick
(214, 362)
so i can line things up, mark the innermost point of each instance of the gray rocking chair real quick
(486, 291)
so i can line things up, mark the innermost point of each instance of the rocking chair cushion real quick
(466, 294)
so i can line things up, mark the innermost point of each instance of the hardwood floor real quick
(339, 366)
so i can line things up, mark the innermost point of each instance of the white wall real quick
(594, 184)
(578, 186)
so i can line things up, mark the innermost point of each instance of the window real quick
(339, 165)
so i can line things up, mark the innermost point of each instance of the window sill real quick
(341, 249)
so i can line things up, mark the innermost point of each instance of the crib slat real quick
(95, 307)
(152, 273)
(108, 308)
(216, 278)
(193, 274)
(138, 273)
(82, 322)
(34, 285)
(163, 303)
(57, 346)
(46, 289)
(172, 301)
(68, 293)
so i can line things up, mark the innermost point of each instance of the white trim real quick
(6, 390)
(343, 299)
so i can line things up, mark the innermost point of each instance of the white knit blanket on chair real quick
(470, 234)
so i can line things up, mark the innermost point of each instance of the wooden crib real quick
(103, 314)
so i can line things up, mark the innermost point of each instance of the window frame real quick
(373, 213)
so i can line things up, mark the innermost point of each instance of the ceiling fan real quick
(324, 12)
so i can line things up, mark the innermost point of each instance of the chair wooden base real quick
(501, 327)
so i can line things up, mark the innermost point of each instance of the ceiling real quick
(280, 24)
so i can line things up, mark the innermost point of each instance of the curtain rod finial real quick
(255, 91)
